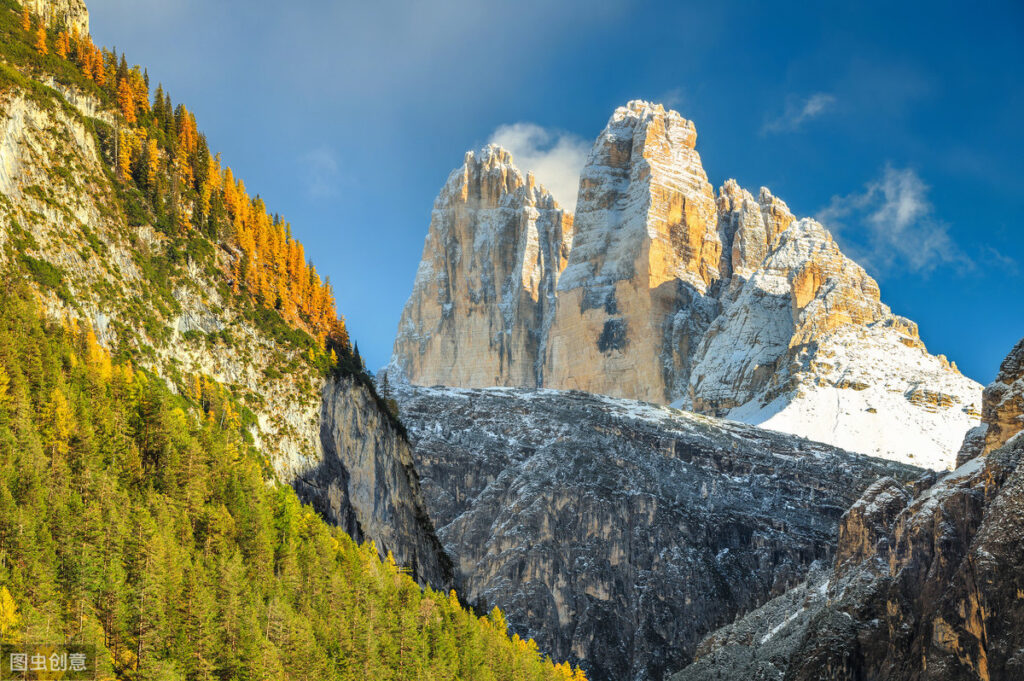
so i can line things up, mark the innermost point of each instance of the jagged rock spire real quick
(497, 244)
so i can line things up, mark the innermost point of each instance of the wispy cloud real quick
(892, 223)
(555, 158)
(321, 173)
(672, 99)
(798, 111)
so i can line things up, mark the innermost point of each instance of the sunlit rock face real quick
(69, 14)
(718, 302)
(484, 291)
(1002, 408)
(646, 246)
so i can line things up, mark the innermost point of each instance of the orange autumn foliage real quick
(276, 271)
(126, 101)
(40, 45)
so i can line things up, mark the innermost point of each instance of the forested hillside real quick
(163, 346)
(141, 522)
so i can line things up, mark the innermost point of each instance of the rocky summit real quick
(662, 289)
(617, 533)
(927, 582)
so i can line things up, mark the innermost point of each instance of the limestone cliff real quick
(618, 533)
(1002, 408)
(672, 292)
(69, 14)
(484, 291)
(367, 485)
(926, 584)
(646, 245)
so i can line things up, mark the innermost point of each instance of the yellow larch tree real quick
(126, 101)
(140, 90)
(63, 45)
(99, 73)
(97, 358)
(5, 386)
(57, 419)
(40, 45)
(124, 157)
(9, 616)
(26, 20)
(83, 53)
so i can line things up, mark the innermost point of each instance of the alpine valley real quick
(675, 434)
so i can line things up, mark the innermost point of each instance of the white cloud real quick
(322, 173)
(673, 99)
(892, 221)
(798, 111)
(555, 158)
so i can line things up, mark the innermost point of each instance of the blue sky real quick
(900, 123)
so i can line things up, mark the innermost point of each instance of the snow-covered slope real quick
(664, 290)
(867, 388)
(807, 347)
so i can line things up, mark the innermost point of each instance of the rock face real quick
(70, 14)
(927, 583)
(1003, 408)
(721, 302)
(367, 484)
(618, 533)
(646, 246)
(484, 291)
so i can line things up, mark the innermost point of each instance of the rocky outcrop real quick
(671, 292)
(69, 14)
(927, 583)
(618, 533)
(1002, 408)
(367, 484)
(484, 292)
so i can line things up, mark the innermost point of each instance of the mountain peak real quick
(666, 123)
(490, 155)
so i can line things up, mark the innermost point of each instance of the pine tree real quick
(152, 159)
(122, 68)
